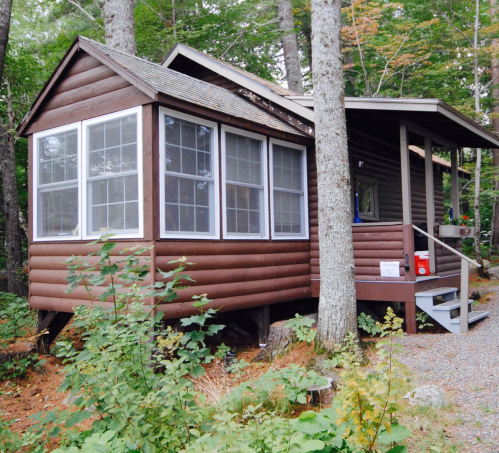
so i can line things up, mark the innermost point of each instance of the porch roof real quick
(381, 117)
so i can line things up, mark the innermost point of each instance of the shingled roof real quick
(155, 79)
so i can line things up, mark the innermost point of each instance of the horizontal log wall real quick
(88, 89)
(446, 262)
(237, 274)
(374, 244)
(48, 273)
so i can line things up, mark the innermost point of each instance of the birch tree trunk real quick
(119, 25)
(290, 46)
(494, 69)
(478, 168)
(337, 303)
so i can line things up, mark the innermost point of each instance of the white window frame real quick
(84, 172)
(303, 149)
(265, 184)
(36, 169)
(215, 172)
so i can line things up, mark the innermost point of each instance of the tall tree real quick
(8, 173)
(337, 302)
(478, 167)
(119, 25)
(290, 46)
(494, 82)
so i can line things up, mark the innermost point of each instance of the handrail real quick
(443, 244)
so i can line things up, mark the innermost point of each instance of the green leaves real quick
(396, 433)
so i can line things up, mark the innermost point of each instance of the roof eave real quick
(239, 79)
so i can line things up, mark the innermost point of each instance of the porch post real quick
(430, 200)
(406, 175)
(454, 182)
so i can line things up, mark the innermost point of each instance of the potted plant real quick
(461, 227)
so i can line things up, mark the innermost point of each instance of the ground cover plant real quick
(133, 384)
(17, 336)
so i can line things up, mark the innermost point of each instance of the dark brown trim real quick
(48, 86)
(148, 170)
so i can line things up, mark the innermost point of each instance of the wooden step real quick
(472, 317)
(436, 292)
(451, 305)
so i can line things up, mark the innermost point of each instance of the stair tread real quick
(450, 305)
(472, 317)
(436, 292)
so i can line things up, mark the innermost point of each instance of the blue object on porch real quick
(451, 212)
(357, 219)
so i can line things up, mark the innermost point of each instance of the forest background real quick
(415, 48)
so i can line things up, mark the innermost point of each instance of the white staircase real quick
(443, 306)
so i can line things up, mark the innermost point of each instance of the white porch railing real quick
(464, 278)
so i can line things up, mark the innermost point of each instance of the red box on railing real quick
(422, 262)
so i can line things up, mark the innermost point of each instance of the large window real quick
(288, 182)
(56, 182)
(188, 177)
(244, 174)
(99, 162)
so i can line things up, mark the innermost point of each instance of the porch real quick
(409, 190)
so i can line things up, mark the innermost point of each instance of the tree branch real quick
(77, 5)
(366, 80)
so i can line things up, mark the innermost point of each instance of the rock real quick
(475, 295)
(494, 274)
(474, 270)
(427, 395)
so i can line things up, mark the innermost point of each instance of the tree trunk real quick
(290, 46)
(478, 168)
(11, 213)
(494, 62)
(337, 302)
(5, 13)
(119, 25)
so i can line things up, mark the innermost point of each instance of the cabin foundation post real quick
(410, 317)
(261, 316)
(53, 322)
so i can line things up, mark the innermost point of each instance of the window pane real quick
(365, 191)
(113, 201)
(58, 157)
(57, 212)
(287, 168)
(188, 201)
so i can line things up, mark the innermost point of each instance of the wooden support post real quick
(464, 297)
(261, 316)
(430, 199)
(53, 322)
(454, 182)
(410, 318)
(405, 169)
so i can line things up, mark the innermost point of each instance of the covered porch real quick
(408, 189)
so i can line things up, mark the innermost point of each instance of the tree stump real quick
(280, 337)
(16, 351)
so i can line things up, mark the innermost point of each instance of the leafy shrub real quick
(139, 386)
(17, 322)
(367, 323)
(302, 328)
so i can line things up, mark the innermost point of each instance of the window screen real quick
(244, 185)
(57, 198)
(113, 192)
(288, 191)
(189, 181)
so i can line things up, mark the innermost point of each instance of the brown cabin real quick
(204, 160)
